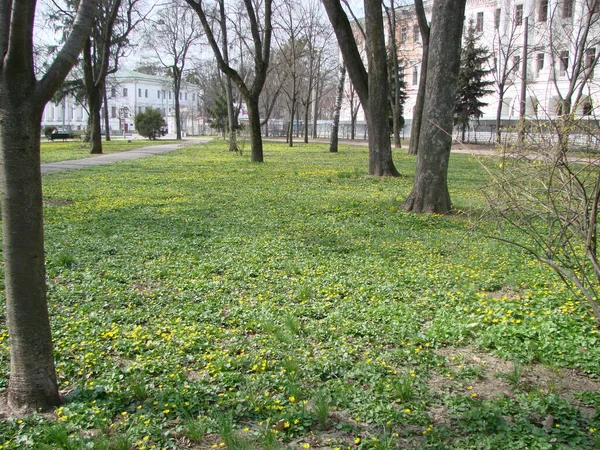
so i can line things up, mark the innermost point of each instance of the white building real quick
(129, 93)
(560, 59)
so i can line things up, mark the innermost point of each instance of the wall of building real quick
(128, 94)
(554, 27)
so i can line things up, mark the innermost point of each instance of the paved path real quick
(457, 147)
(110, 158)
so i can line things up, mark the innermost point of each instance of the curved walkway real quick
(109, 158)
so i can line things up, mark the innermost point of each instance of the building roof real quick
(126, 74)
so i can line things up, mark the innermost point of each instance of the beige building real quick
(561, 52)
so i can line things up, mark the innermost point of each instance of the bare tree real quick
(506, 49)
(394, 68)
(172, 38)
(101, 53)
(231, 113)
(430, 189)
(551, 204)
(573, 51)
(292, 45)
(372, 87)
(260, 48)
(32, 382)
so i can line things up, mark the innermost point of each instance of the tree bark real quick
(176, 90)
(413, 146)
(106, 115)
(94, 100)
(32, 384)
(333, 145)
(430, 189)
(374, 84)
(256, 144)
(380, 154)
(32, 374)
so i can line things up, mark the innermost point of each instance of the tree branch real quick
(67, 56)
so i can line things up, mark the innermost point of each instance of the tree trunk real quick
(499, 116)
(430, 189)
(316, 105)
(177, 89)
(306, 118)
(254, 129)
(106, 116)
(94, 101)
(333, 146)
(393, 73)
(380, 148)
(94, 122)
(291, 131)
(32, 382)
(415, 133)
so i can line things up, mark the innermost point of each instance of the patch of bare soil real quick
(495, 377)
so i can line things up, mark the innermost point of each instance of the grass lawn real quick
(53, 151)
(200, 301)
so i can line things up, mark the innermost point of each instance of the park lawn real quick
(52, 151)
(202, 301)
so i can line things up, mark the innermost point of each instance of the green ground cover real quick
(201, 301)
(52, 151)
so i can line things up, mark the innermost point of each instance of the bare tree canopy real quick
(260, 30)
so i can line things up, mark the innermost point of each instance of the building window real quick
(139, 92)
(516, 63)
(543, 11)
(169, 95)
(124, 92)
(193, 97)
(479, 22)
(113, 92)
(497, 18)
(185, 97)
(590, 56)
(518, 15)
(113, 112)
(403, 35)
(564, 62)
(415, 76)
(567, 9)
(539, 61)
(416, 32)
(146, 93)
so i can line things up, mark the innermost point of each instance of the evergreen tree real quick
(149, 123)
(472, 84)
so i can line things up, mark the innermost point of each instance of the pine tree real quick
(472, 85)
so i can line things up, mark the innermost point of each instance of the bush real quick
(149, 123)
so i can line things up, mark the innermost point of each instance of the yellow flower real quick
(305, 445)
(292, 399)
(357, 440)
